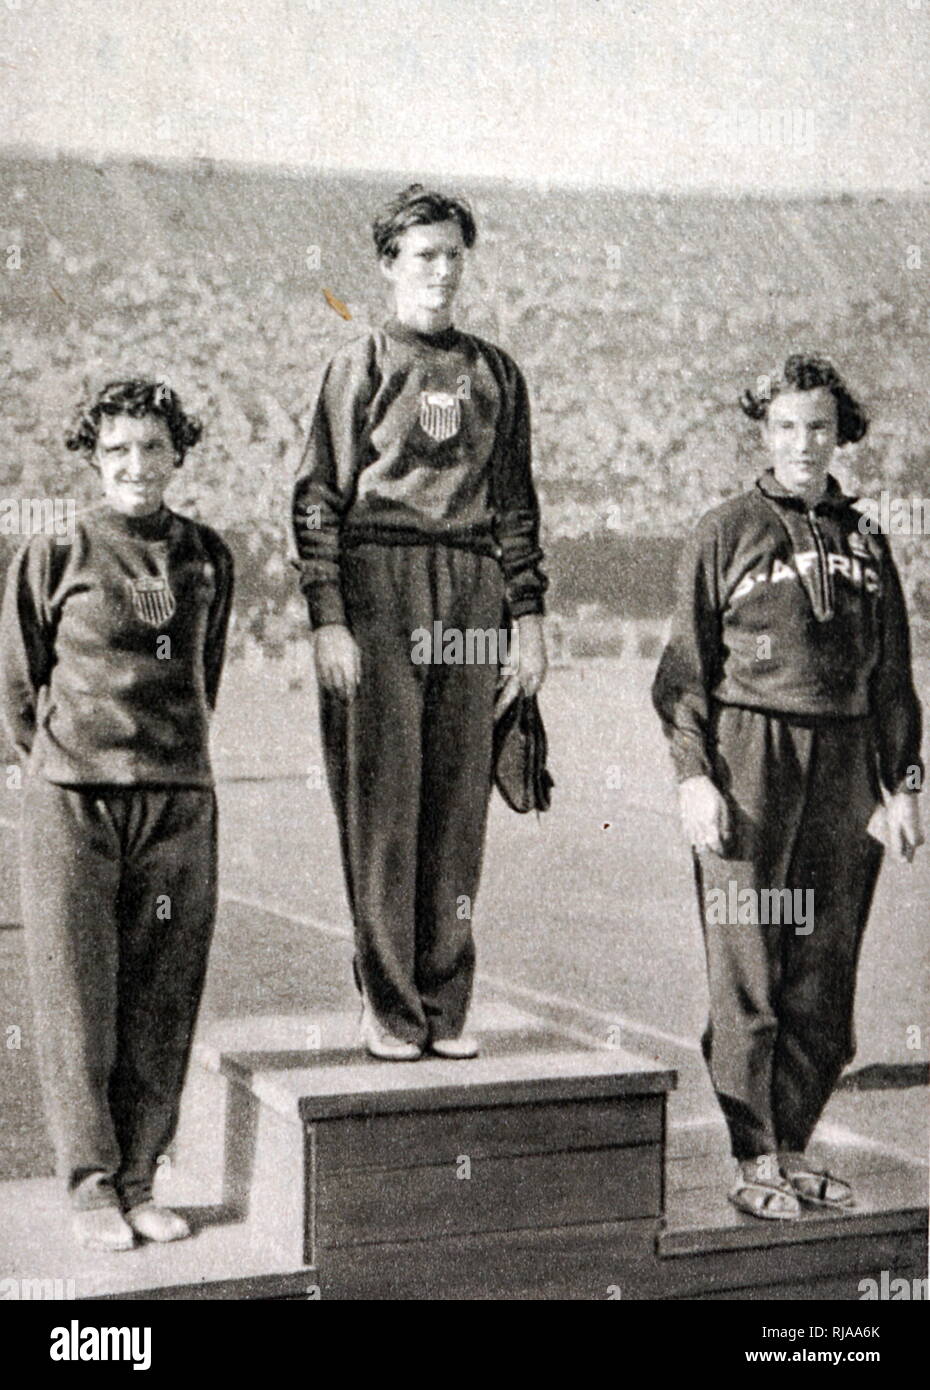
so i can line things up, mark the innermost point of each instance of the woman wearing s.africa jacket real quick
(787, 695)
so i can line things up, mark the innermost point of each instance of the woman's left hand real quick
(528, 663)
(905, 835)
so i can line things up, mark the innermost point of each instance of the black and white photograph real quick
(464, 654)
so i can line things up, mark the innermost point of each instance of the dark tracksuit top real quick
(826, 595)
(787, 680)
(418, 438)
(111, 647)
(415, 504)
(89, 695)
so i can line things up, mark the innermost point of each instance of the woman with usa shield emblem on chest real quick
(415, 510)
(112, 641)
(434, 420)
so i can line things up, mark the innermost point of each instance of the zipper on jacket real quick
(826, 578)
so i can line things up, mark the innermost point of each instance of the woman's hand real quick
(528, 663)
(705, 817)
(338, 663)
(905, 835)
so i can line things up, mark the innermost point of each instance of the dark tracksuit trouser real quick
(409, 768)
(781, 1001)
(119, 902)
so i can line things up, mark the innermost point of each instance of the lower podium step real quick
(709, 1251)
(226, 1258)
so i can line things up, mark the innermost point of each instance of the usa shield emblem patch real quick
(152, 601)
(440, 414)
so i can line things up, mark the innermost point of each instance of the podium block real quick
(350, 1165)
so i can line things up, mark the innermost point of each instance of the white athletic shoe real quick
(157, 1223)
(382, 1044)
(455, 1049)
(102, 1228)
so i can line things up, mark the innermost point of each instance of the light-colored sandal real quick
(771, 1201)
(816, 1187)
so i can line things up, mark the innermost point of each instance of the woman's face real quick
(427, 270)
(136, 460)
(800, 435)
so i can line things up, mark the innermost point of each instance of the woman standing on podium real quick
(112, 641)
(787, 695)
(415, 507)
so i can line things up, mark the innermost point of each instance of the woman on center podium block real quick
(415, 506)
(787, 694)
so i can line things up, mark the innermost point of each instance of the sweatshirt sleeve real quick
(327, 475)
(516, 507)
(896, 711)
(26, 641)
(214, 649)
(688, 667)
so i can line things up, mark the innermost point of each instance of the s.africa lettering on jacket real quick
(854, 570)
(418, 438)
(790, 609)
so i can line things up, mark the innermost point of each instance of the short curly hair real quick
(137, 398)
(417, 206)
(805, 372)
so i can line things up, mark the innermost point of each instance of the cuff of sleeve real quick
(691, 764)
(325, 605)
(907, 789)
(528, 603)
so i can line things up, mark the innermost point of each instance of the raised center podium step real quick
(427, 1179)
